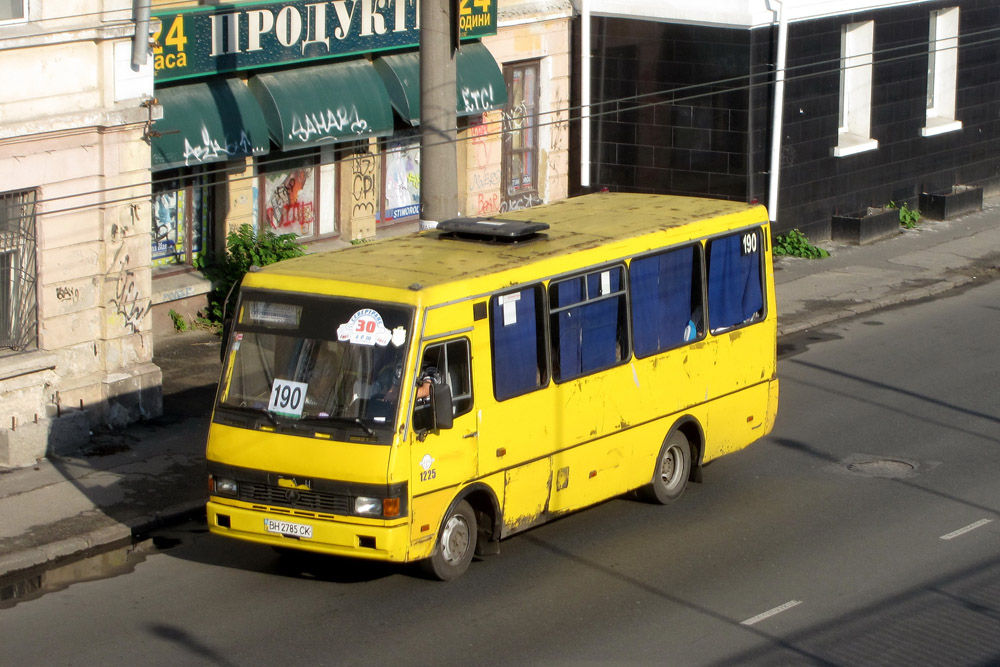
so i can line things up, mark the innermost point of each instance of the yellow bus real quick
(423, 397)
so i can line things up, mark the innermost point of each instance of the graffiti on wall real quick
(484, 164)
(64, 293)
(363, 194)
(289, 201)
(334, 123)
(210, 149)
(127, 300)
(477, 99)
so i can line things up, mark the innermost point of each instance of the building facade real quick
(119, 182)
(878, 100)
(304, 118)
(75, 336)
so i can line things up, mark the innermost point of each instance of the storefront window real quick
(297, 194)
(401, 199)
(520, 137)
(288, 194)
(181, 217)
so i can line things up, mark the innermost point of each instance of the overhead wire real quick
(565, 115)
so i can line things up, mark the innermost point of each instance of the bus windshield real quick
(316, 364)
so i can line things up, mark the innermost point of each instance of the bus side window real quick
(735, 289)
(588, 323)
(452, 360)
(665, 291)
(518, 336)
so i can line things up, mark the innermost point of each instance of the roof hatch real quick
(489, 230)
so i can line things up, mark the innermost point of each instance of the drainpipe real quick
(140, 40)
(779, 101)
(585, 94)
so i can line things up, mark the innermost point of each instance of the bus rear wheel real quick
(673, 466)
(455, 546)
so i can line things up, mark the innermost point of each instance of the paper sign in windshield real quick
(287, 398)
(364, 328)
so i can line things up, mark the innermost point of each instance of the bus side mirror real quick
(443, 413)
(435, 411)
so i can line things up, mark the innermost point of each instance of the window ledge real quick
(179, 286)
(852, 144)
(27, 363)
(937, 126)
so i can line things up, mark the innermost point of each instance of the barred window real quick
(18, 302)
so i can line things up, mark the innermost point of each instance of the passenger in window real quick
(695, 326)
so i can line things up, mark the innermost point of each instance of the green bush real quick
(245, 248)
(908, 217)
(180, 324)
(795, 244)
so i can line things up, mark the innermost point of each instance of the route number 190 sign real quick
(287, 398)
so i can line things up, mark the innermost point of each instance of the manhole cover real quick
(882, 468)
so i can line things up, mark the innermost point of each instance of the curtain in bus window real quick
(600, 321)
(587, 335)
(661, 300)
(515, 344)
(734, 287)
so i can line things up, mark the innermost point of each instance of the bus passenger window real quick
(588, 323)
(665, 290)
(518, 340)
(735, 289)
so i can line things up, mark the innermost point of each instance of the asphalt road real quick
(863, 530)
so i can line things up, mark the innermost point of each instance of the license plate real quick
(288, 528)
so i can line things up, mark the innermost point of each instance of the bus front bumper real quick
(341, 538)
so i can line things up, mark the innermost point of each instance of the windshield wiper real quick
(353, 421)
(261, 411)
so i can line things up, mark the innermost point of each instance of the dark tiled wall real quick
(678, 112)
(701, 123)
(815, 185)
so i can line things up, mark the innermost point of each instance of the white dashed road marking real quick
(771, 612)
(963, 531)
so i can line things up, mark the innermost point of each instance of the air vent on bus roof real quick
(491, 230)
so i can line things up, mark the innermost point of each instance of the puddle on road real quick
(34, 583)
(111, 561)
(797, 343)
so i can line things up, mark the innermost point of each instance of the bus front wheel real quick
(455, 546)
(673, 466)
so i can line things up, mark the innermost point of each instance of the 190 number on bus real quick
(749, 243)
(287, 397)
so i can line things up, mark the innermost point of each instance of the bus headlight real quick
(368, 506)
(225, 486)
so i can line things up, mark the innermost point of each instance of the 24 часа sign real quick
(210, 40)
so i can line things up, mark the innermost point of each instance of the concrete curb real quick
(878, 304)
(97, 539)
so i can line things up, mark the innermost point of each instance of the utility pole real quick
(438, 133)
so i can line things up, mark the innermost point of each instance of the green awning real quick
(479, 84)
(207, 122)
(323, 104)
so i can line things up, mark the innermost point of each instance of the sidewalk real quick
(154, 472)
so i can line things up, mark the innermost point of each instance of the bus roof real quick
(428, 259)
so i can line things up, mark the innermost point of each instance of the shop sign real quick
(227, 38)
